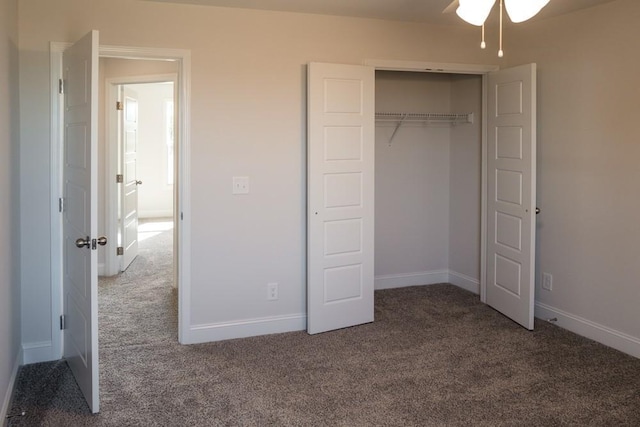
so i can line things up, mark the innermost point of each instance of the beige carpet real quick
(435, 356)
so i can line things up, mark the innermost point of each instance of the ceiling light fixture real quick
(476, 12)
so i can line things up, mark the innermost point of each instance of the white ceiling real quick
(429, 11)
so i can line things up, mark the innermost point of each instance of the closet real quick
(428, 162)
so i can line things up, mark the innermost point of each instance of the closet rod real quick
(453, 118)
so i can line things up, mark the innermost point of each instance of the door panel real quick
(80, 272)
(511, 192)
(130, 184)
(340, 280)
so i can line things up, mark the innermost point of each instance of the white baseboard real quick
(155, 214)
(36, 352)
(465, 282)
(6, 404)
(391, 281)
(245, 328)
(600, 333)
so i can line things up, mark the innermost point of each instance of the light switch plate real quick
(240, 185)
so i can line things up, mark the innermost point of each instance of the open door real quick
(340, 211)
(130, 182)
(511, 192)
(80, 221)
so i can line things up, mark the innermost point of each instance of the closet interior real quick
(428, 179)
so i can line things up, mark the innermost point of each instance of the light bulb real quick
(475, 12)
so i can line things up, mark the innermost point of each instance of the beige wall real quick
(465, 153)
(9, 194)
(588, 154)
(155, 195)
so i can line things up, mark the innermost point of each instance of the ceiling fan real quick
(476, 12)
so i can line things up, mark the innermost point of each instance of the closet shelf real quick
(452, 119)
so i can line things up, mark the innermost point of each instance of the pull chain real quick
(483, 44)
(500, 51)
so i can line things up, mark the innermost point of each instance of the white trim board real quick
(592, 330)
(465, 282)
(246, 328)
(8, 397)
(432, 277)
(155, 214)
(391, 281)
(429, 67)
(36, 352)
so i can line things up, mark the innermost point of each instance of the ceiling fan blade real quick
(452, 7)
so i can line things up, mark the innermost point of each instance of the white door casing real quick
(129, 193)
(340, 211)
(511, 192)
(80, 264)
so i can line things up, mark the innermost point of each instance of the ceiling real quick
(429, 11)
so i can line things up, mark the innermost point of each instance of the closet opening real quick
(428, 179)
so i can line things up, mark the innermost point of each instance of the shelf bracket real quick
(393, 135)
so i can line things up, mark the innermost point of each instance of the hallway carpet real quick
(435, 356)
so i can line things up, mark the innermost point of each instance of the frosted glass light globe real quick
(475, 12)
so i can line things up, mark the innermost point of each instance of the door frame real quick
(113, 264)
(453, 68)
(182, 206)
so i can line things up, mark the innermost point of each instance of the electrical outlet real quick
(240, 185)
(547, 281)
(272, 291)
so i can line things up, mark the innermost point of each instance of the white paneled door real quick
(80, 257)
(130, 182)
(511, 192)
(340, 210)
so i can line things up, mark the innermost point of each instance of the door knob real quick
(138, 182)
(537, 211)
(83, 243)
(102, 240)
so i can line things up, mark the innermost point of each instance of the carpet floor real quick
(435, 356)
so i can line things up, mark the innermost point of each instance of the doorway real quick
(139, 132)
(340, 172)
(428, 179)
(140, 57)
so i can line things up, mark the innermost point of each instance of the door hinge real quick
(61, 204)
(119, 106)
(119, 178)
(120, 250)
(63, 324)
(60, 86)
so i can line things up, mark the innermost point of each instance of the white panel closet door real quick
(340, 211)
(511, 192)
(80, 216)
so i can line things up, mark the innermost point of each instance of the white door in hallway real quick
(130, 182)
(511, 192)
(340, 187)
(80, 257)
